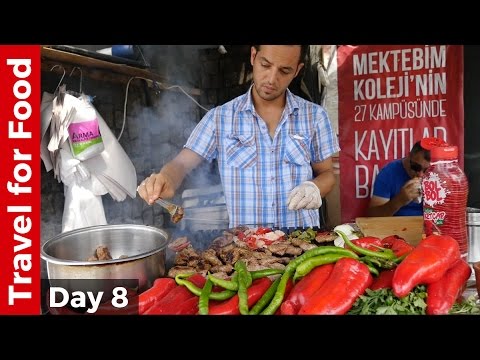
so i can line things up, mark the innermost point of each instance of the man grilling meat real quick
(273, 148)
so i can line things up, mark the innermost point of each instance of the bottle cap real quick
(444, 153)
(430, 142)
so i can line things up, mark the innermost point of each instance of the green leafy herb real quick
(383, 302)
(468, 306)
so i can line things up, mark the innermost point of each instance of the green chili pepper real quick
(204, 297)
(265, 299)
(373, 270)
(226, 284)
(183, 276)
(371, 260)
(258, 274)
(290, 270)
(384, 263)
(278, 296)
(400, 259)
(318, 251)
(222, 295)
(308, 265)
(385, 253)
(244, 282)
(233, 283)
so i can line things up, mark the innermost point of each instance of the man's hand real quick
(411, 190)
(305, 196)
(155, 186)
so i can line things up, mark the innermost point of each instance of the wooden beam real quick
(104, 70)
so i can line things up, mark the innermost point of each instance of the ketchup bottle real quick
(445, 193)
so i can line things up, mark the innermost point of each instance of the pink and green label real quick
(83, 135)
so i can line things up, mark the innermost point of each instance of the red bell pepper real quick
(138, 304)
(367, 242)
(198, 280)
(188, 307)
(398, 245)
(288, 289)
(160, 288)
(383, 281)
(107, 308)
(230, 306)
(305, 288)
(427, 263)
(168, 305)
(443, 293)
(348, 280)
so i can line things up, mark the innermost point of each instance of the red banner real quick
(20, 180)
(391, 96)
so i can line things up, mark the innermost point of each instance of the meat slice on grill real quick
(325, 236)
(293, 250)
(277, 266)
(179, 244)
(174, 271)
(283, 260)
(261, 255)
(267, 261)
(199, 264)
(221, 275)
(210, 255)
(302, 244)
(278, 248)
(186, 255)
(230, 254)
(222, 268)
(221, 241)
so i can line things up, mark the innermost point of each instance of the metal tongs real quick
(175, 211)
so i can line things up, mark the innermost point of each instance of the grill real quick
(201, 239)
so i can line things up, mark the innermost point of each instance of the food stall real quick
(337, 268)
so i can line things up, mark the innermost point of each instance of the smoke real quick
(159, 132)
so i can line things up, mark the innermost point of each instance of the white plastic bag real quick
(84, 134)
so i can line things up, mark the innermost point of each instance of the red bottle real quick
(445, 193)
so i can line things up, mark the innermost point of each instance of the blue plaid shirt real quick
(257, 172)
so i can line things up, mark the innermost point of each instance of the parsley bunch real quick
(383, 302)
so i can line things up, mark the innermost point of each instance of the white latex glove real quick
(305, 196)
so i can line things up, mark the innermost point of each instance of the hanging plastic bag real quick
(84, 133)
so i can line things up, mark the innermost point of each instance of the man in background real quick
(397, 187)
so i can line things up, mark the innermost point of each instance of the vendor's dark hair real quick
(303, 51)
(418, 148)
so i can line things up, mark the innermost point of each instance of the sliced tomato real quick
(241, 235)
(398, 245)
(267, 241)
(262, 230)
(251, 242)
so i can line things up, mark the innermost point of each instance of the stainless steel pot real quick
(66, 256)
(473, 227)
